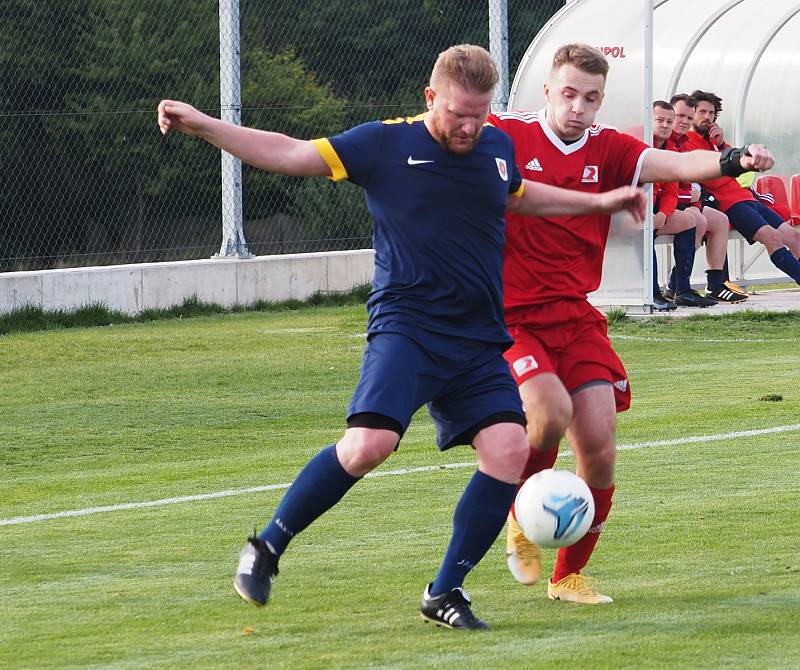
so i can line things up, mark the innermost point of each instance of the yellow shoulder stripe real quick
(329, 155)
(518, 193)
(405, 119)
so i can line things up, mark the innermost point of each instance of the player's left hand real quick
(627, 198)
(757, 158)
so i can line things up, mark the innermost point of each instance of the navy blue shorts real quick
(464, 394)
(749, 216)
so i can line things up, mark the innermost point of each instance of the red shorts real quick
(569, 339)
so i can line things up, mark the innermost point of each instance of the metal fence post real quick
(647, 111)
(498, 46)
(230, 96)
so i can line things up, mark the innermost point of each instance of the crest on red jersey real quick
(524, 364)
(502, 168)
(591, 174)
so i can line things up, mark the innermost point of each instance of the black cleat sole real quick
(247, 598)
(442, 624)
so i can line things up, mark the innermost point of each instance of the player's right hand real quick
(628, 198)
(758, 158)
(173, 114)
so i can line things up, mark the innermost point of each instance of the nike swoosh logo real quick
(414, 161)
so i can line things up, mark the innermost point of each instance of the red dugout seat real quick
(794, 198)
(773, 185)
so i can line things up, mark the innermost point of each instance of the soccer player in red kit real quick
(685, 227)
(714, 221)
(570, 379)
(753, 219)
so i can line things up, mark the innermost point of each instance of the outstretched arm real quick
(269, 151)
(699, 166)
(544, 200)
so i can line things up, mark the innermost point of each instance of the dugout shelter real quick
(743, 50)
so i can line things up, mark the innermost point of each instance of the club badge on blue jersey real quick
(502, 168)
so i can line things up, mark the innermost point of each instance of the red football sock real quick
(574, 558)
(538, 460)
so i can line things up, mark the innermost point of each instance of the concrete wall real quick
(133, 288)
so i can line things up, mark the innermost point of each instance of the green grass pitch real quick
(700, 552)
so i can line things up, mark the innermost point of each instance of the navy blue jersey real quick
(439, 226)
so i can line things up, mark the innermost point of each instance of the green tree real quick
(127, 58)
(269, 82)
(85, 169)
(87, 176)
(35, 179)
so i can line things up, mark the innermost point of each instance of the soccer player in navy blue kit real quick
(437, 187)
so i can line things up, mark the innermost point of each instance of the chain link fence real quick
(87, 178)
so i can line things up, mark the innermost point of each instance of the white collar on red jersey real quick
(562, 146)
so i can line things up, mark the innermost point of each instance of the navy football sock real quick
(714, 280)
(683, 247)
(656, 287)
(784, 260)
(479, 517)
(725, 275)
(318, 487)
(671, 284)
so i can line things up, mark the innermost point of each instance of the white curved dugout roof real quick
(745, 51)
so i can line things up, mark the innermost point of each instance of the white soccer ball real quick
(554, 508)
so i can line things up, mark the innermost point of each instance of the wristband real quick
(730, 164)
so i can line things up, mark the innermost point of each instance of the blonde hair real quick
(582, 56)
(470, 67)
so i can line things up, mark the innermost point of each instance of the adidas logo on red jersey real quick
(534, 165)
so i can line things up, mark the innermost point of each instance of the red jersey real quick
(678, 143)
(665, 197)
(553, 259)
(726, 190)
(665, 194)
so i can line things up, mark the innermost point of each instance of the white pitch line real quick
(14, 521)
(711, 438)
(705, 340)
